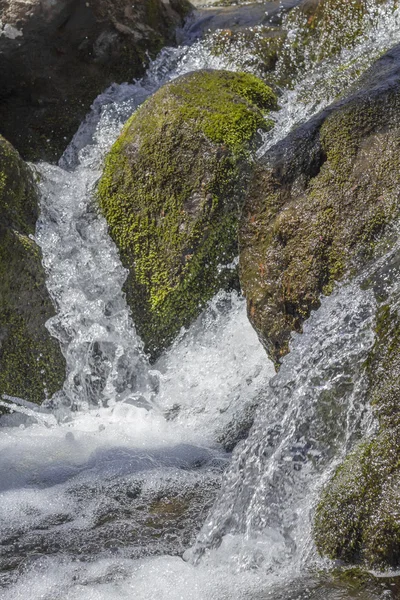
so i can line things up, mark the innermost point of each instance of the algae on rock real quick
(31, 363)
(172, 191)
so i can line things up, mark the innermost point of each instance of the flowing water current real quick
(113, 480)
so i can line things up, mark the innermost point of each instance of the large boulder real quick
(317, 203)
(321, 206)
(31, 364)
(57, 56)
(172, 192)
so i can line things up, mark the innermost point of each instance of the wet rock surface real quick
(148, 503)
(235, 17)
(357, 518)
(56, 57)
(317, 204)
(31, 364)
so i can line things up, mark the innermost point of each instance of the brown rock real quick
(318, 203)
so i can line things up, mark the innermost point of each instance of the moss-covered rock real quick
(358, 516)
(172, 191)
(327, 215)
(31, 363)
(317, 204)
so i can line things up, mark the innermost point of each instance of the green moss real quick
(171, 193)
(31, 364)
(226, 107)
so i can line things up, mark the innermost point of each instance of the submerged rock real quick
(255, 49)
(31, 363)
(323, 29)
(285, 41)
(56, 57)
(317, 203)
(172, 192)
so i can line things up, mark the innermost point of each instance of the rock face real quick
(57, 56)
(172, 191)
(320, 206)
(31, 363)
(317, 203)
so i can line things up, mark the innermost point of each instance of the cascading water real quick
(131, 463)
(313, 411)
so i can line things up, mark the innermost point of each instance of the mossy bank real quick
(172, 191)
(31, 363)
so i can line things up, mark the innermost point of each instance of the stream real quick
(123, 484)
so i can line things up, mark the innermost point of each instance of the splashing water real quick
(312, 412)
(133, 462)
(319, 83)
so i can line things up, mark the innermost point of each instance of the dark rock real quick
(56, 57)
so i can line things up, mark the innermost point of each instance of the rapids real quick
(105, 488)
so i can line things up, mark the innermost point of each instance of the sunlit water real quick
(128, 458)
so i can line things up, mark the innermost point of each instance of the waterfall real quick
(313, 412)
(82, 490)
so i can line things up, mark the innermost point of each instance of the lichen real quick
(171, 193)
